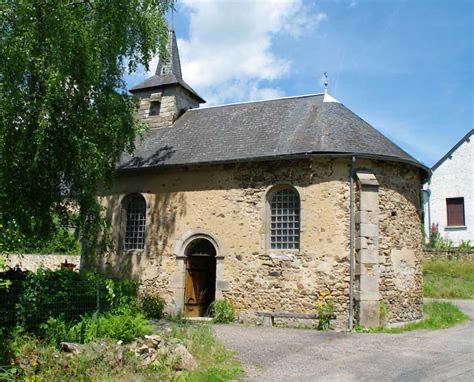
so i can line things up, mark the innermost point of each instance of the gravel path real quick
(277, 354)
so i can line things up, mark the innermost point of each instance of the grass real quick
(449, 279)
(44, 362)
(216, 363)
(438, 315)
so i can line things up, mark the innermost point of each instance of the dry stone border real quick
(149, 350)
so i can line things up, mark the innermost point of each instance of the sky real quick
(406, 67)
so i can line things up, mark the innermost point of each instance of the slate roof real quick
(168, 72)
(167, 79)
(280, 128)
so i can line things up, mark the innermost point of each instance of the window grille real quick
(285, 220)
(135, 208)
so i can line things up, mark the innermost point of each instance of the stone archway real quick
(178, 278)
(200, 279)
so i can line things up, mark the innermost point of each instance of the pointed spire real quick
(172, 65)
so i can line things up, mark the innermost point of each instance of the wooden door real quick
(200, 285)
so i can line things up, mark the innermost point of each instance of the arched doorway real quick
(200, 284)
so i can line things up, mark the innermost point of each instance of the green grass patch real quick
(449, 279)
(33, 359)
(438, 315)
(216, 363)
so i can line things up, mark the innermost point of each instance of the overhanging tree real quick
(65, 114)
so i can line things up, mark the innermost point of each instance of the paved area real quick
(276, 354)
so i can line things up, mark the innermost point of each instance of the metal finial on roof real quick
(326, 81)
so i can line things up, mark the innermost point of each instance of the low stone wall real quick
(448, 255)
(34, 262)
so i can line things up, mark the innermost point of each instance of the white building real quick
(449, 195)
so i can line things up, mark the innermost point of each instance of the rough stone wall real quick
(400, 247)
(173, 101)
(34, 262)
(448, 255)
(229, 203)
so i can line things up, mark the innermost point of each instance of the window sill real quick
(133, 251)
(278, 252)
(455, 227)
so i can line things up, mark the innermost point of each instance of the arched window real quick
(285, 219)
(134, 209)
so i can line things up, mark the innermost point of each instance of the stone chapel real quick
(275, 205)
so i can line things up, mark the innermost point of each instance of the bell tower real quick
(165, 96)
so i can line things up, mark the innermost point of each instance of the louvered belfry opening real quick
(455, 211)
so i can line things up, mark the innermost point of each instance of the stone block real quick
(369, 256)
(369, 282)
(361, 242)
(369, 313)
(367, 296)
(222, 285)
(369, 200)
(369, 230)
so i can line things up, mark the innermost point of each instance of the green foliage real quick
(325, 313)
(43, 362)
(62, 238)
(222, 311)
(152, 305)
(438, 315)
(384, 311)
(465, 246)
(123, 323)
(437, 242)
(448, 278)
(55, 330)
(4, 284)
(61, 294)
(65, 114)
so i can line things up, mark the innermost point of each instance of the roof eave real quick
(425, 171)
(138, 88)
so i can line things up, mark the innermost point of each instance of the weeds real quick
(222, 312)
(152, 305)
(325, 312)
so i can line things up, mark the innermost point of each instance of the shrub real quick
(325, 312)
(152, 305)
(124, 323)
(222, 311)
(33, 298)
(55, 330)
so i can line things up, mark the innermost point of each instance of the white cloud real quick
(229, 57)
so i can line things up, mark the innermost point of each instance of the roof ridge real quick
(258, 101)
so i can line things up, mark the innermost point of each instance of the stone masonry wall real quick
(34, 262)
(430, 254)
(401, 259)
(173, 101)
(229, 203)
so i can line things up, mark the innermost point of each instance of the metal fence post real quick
(97, 312)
